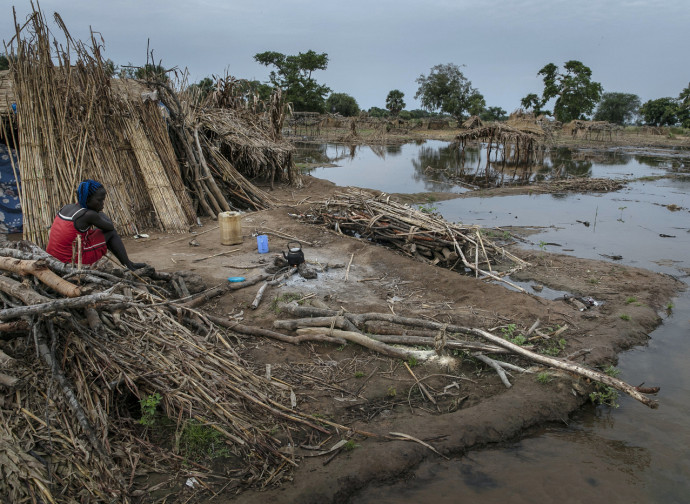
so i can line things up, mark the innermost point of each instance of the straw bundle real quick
(165, 201)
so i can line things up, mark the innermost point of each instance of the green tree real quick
(4, 62)
(110, 68)
(343, 104)
(419, 113)
(660, 112)
(534, 103)
(395, 102)
(575, 93)
(477, 104)
(618, 108)
(446, 89)
(684, 107)
(263, 91)
(293, 74)
(493, 114)
(377, 112)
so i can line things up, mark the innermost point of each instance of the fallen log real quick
(341, 322)
(62, 304)
(259, 296)
(370, 343)
(360, 319)
(266, 333)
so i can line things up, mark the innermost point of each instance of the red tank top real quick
(63, 234)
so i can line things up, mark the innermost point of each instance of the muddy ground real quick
(358, 388)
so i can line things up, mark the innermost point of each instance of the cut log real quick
(259, 296)
(40, 269)
(21, 291)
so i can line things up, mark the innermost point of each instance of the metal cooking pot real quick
(294, 256)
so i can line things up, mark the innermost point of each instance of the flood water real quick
(629, 454)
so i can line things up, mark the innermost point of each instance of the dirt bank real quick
(355, 387)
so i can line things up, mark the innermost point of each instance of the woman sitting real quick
(87, 220)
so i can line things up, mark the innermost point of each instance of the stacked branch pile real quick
(423, 235)
(82, 347)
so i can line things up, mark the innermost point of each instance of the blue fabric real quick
(10, 207)
(86, 189)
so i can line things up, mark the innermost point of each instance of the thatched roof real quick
(473, 122)
(129, 88)
(523, 144)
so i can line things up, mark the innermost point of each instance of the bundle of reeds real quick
(417, 233)
(73, 378)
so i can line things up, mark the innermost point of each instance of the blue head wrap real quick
(86, 190)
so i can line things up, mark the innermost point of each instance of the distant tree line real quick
(568, 93)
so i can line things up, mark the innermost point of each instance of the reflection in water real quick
(436, 165)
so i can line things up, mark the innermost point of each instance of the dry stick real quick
(207, 174)
(401, 436)
(347, 271)
(533, 327)
(464, 260)
(266, 333)
(218, 290)
(499, 370)
(396, 339)
(339, 322)
(283, 235)
(77, 409)
(193, 235)
(359, 319)
(422, 387)
(14, 326)
(216, 255)
(21, 291)
(370, 343)
(259, 295)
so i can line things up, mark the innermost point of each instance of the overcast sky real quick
(374, 46)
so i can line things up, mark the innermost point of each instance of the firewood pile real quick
(416, 233)
(97, 365)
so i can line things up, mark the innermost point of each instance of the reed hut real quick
(473, 122)
(520, 140)
(163, 163)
